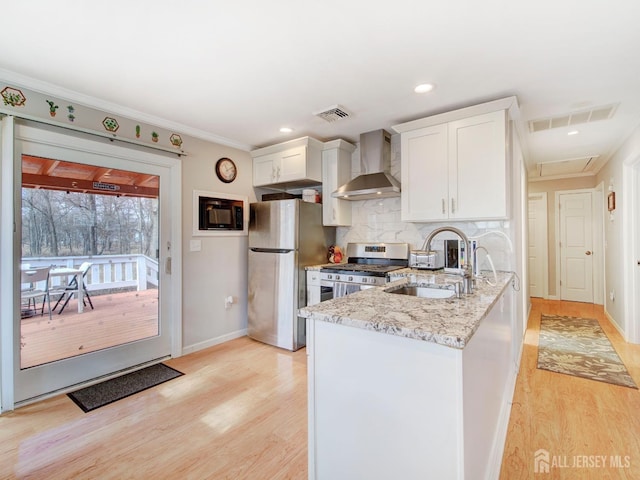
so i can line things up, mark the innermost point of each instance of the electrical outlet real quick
(612, 295)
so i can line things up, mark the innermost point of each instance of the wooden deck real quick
(116, 319)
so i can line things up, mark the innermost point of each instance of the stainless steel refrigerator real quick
(284, 237)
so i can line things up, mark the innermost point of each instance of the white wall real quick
(612, 175)
(219, 269)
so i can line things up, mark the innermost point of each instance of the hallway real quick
(570, 417)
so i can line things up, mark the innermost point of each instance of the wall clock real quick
(226, 170)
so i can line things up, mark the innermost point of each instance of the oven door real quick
(326, 292)
(341, 289)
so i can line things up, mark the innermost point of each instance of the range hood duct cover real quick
(375, 161)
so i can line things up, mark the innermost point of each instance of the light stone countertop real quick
(450, 322)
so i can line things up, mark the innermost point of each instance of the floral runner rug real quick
(579, 347)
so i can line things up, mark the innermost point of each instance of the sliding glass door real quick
(99, 217)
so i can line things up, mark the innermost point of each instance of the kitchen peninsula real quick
(408, 387)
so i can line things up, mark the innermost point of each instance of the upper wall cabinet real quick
(293, 164)
(336, 171)
(455, 170)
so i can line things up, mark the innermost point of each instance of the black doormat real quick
(109, 391)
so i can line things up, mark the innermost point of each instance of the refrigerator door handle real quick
(271, 250)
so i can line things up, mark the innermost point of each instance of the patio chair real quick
(38, 279)
(72, 287)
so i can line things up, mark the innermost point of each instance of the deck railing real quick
(107, 272)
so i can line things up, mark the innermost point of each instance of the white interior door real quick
(576, 247)
(634, 327)
(43, 379)
(537, 248)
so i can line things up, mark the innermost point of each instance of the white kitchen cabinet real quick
(313, 287)
(264, 170)
(478, 180)
(384, 406)
(296, 163)
(455, 170)
(425, 172)
(336, 171)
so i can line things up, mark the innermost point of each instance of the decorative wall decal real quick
(176, 140)
(52, 108)
(110, 124)
(13, 96)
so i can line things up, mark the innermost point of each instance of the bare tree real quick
(65, 223)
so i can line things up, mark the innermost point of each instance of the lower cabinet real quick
(313, 287)
(383, 406)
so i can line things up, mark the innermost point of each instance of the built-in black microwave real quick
(220, 214)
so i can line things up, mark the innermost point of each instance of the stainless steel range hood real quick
(375, 161)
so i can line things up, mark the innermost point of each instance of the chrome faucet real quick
(467, 272)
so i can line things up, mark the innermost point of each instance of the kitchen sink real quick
(423, 291)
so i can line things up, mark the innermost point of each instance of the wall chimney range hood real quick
(375, 161)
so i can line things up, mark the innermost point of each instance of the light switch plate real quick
(195, 245)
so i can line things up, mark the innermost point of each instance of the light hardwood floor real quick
(240, 413)
(570, 417)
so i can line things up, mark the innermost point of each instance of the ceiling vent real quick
(333, 113)
(567, 168)
(575, 118)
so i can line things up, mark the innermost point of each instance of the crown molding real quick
(40, 86)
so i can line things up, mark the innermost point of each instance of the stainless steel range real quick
(368, 266)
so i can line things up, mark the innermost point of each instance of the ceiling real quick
(235, 72)
(38, 172)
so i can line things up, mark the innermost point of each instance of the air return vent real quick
(333, 113)
(568, 167)
(574, 118)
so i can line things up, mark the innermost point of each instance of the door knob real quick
(588, 252)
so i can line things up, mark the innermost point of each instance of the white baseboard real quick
(615, 324)
(553, 297)
(213, 341)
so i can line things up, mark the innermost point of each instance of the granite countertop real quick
(450, 322)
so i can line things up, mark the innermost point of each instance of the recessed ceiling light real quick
(286, 130)
(573, 132)
(424, 88)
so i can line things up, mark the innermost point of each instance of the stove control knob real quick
(337, 277)
(351, 279)
(329, 276)
(364, 279)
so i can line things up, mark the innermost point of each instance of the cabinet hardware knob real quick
(588, 252)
